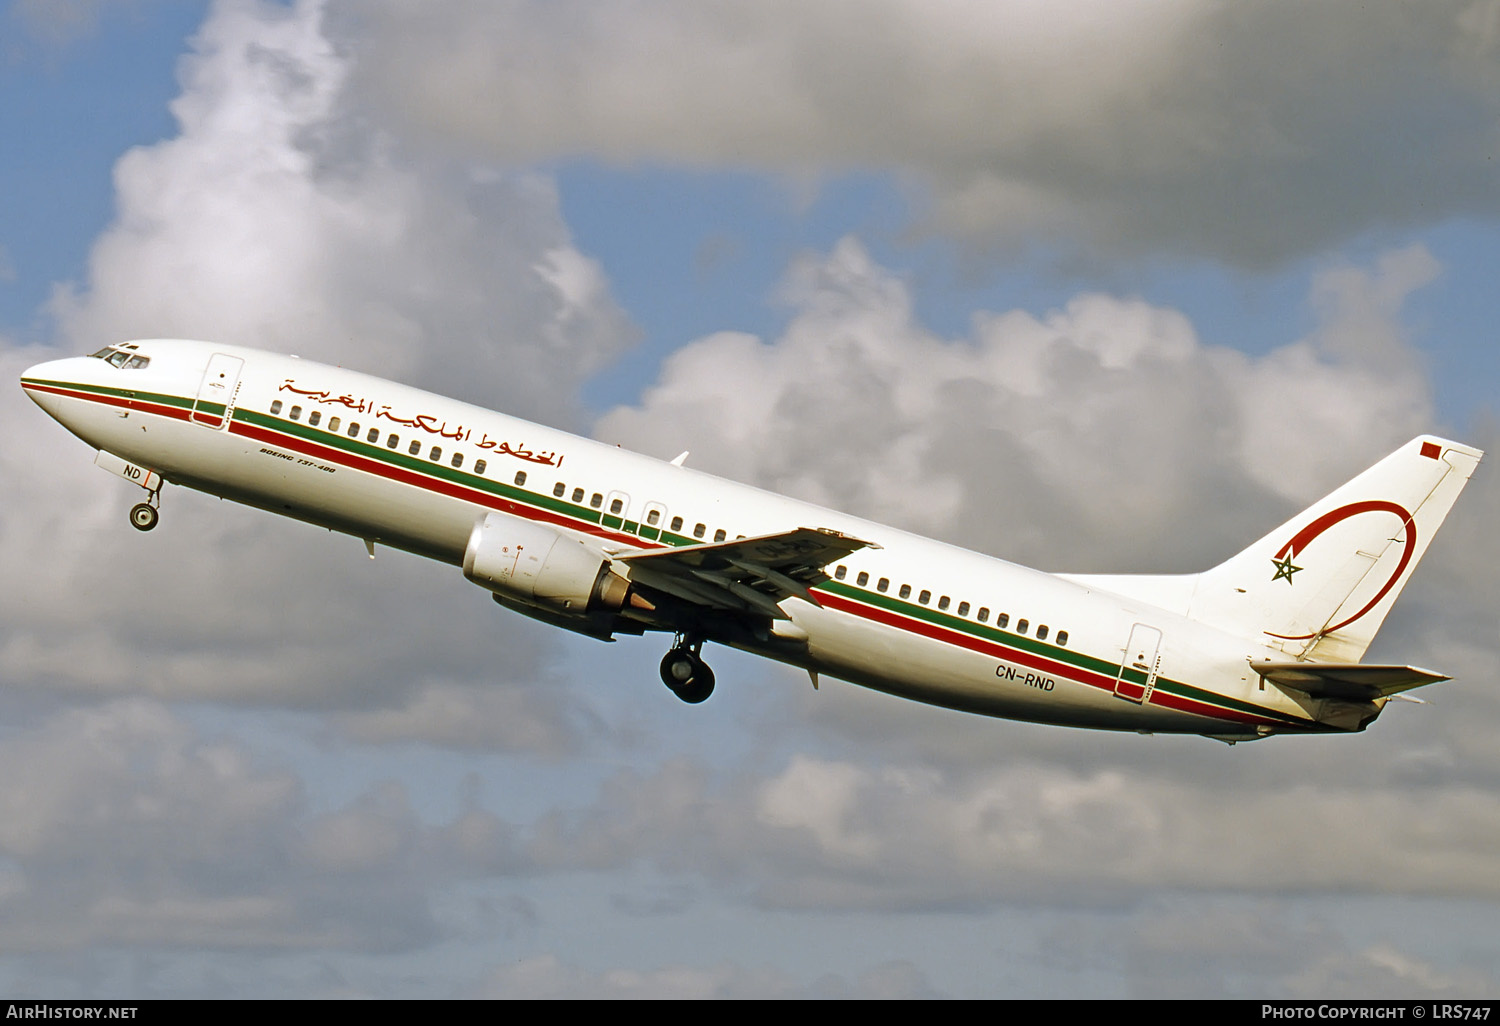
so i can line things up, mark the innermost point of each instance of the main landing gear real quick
(685, 673)
(145, 515)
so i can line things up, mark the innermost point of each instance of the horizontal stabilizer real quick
(1358, 682)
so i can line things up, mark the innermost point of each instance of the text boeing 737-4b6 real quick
(602, 541)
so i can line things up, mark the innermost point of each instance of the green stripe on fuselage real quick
(160, 398)
(586, 515)
(416, 464)
(1066, 656)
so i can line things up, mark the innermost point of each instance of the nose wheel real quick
(145, 515)
(685, 673)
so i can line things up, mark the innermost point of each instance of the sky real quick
(1093, 288)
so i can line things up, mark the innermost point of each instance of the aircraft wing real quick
(748, 575)
(1360, 682)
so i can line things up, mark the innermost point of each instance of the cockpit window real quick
(122, 358)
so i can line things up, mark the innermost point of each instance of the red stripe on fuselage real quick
(1022, 657)
(859, 609)
(425, 481)
(962, 640)
(142, 405)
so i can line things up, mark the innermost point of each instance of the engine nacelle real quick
(538, 566)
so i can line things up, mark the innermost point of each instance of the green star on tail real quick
(1284, 569)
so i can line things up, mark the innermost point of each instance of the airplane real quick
(605, 542)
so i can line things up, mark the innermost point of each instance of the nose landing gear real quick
(145, 515)
(685, 673)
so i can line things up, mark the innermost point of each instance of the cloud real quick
(194, 609)
(1105, 435)
(478, 716)
(161, 839)
(124, 826)
(397, 648)
(1007, 440)
(278, 218)
(1247, 948)
(1250, 135)
(547, 976)
(1385, 971)
(828, 834)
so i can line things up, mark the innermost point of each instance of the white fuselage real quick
(398, 466)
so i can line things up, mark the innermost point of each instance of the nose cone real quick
(48, 384)
(36, 379)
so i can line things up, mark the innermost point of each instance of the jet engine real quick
(534, 565)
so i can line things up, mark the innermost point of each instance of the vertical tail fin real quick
(1320, 585)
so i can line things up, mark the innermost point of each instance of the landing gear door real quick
(1137, 677)
(214, 405)
(147, 479)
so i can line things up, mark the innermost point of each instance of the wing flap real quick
(747, 575)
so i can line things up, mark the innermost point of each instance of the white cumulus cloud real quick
(1250, 132)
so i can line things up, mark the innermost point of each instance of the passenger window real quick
(653, 517)
(415, 448)
(885, 583)
(577, 494)
(458, 460)
(863, 578)
(616, 506)
(275, 406)
(943, 602)
(1021, 626)
(373, 436)
(391, 441)
(719, 535)
(925, 597)
(905, 591)
(698, 530)
(436, 453)
(558, 489)
(333, 422)
(1041, 632)
(479, 466)
(839, 573)
(984, 613)
(1002, 621)
(314, 417)
(676, 523)
(1062, 637)
(520, 477)
(963, 609)
(296, 413)
(353, 430)
(596, 500)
